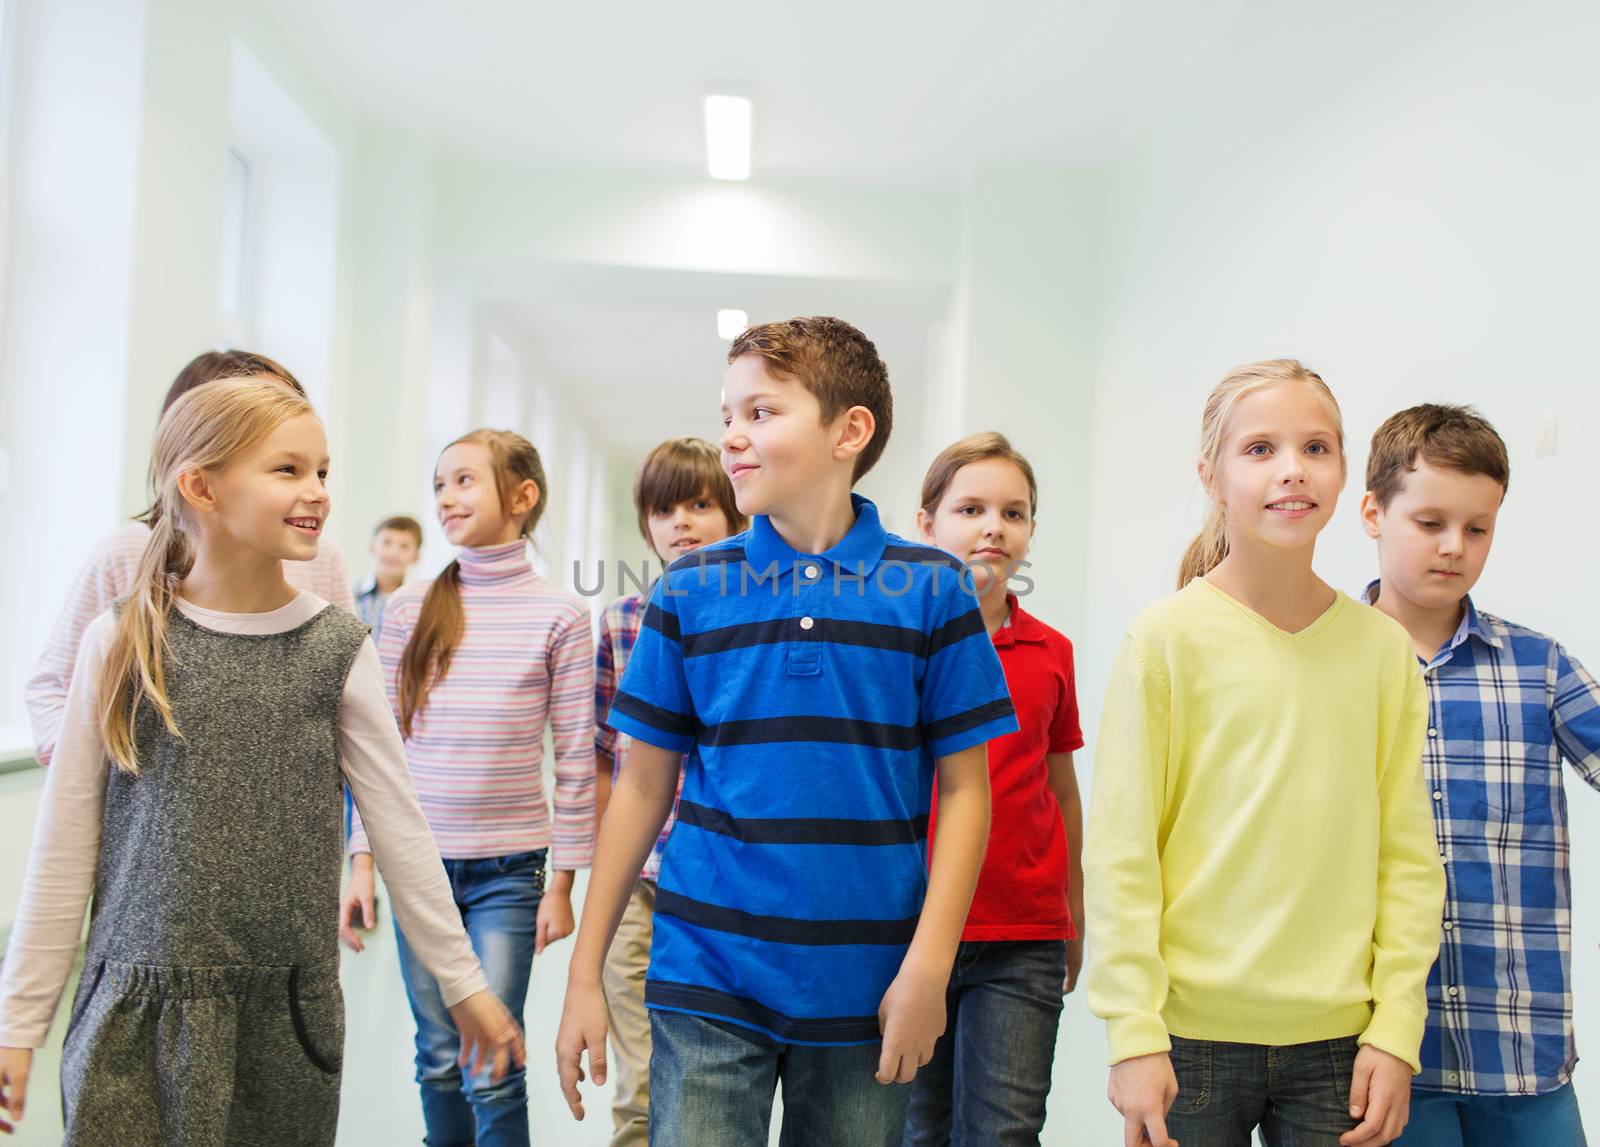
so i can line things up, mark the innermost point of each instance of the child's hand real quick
(355, 906)
(1380, 1096)
(912, 1018)
(583, 1029)
(489, 1035)
(14, 1064)
(1074, 966)
(554, 921)
(1142, 1090)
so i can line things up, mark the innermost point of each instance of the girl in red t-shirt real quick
(1021, 949)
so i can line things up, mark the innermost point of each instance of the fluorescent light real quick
(730, 324)
(728, 137)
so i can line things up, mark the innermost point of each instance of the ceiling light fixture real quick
(728, 136)
(731, 323)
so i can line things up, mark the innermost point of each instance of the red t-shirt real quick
(1022, 889)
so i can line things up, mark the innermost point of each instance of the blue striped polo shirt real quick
(812, 693)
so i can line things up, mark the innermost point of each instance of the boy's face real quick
(394, 551)
(685, 527)
(1434, 536)
(775, 446)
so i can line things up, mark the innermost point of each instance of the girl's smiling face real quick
(272, 497)
(466, 496)
(1279, 470)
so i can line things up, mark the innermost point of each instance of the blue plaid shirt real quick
(1505, 704)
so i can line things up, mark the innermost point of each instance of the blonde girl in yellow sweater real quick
(1263, 884)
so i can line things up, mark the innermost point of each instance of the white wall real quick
(1403, 196)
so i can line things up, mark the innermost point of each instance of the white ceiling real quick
(889, 91)
(638, 351)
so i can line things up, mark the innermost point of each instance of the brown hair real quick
(441, 622)
(220, 364)
(205, 430)
(1210, 546)
(401, 523)
(836, 363)
(676, 471)
(974, 448)
(1454, 437)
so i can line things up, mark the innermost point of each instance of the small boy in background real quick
(684, 501)
(396, 546)
(1506, 704)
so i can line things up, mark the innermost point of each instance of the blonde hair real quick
(206, 429)
(442, 621)
(1210, 546)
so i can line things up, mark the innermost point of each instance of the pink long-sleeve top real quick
(476, 750)
(108, 575)
(66, 846)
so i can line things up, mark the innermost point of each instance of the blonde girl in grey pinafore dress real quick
(209, 1011)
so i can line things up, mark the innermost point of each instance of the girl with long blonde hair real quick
(195, 793)
(1262, 882)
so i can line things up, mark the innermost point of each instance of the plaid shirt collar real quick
(1472, 625)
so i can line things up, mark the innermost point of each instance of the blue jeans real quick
(1298, 1095)
(990, 1073)
(499, 902)
(711, 1083)
(1448, 1119)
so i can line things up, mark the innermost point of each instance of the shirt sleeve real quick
(571, 665)
(1123, 897)
(394, 634)
(965, 701)
(605, 691)
(105, 577)
(1066, 730)
(60, 873)
(339, 591)
(1575, 716)
(374, 763)
(1405, 935)
(653, 703)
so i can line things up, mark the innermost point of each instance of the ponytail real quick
(1207, 550)
(426, 658)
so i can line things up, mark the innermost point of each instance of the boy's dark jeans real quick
(711, 1085)
(990, 1074)
(1298, 1095)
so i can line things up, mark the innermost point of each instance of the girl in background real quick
(212, 719)
(111, 569)
(478, 663)
(1262, 879)
(1021, 949)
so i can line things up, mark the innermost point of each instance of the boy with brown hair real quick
(396, 546)
(683, 501)
(1506, 704)
(818, 671)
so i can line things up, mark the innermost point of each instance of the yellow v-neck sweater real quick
(1260, 865)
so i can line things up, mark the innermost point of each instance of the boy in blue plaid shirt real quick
(1506, 704)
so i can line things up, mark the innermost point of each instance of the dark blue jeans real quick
(499, 902)
(711, 1084)
(990, 1074)
(1298, 1095)
(1448, 1119)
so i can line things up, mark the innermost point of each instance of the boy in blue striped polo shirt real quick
(1505, 705)
(819, 672)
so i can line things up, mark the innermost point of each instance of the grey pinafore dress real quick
(209, 1010)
